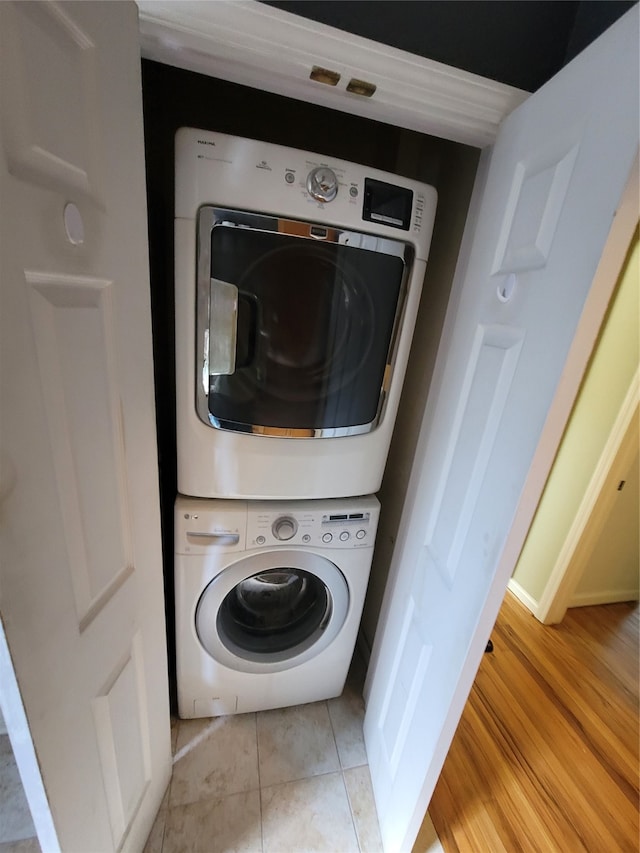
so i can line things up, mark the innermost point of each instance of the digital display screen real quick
(387, 204)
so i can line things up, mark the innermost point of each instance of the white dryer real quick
(297, 282)
(269, 596)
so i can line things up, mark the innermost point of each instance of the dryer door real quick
(296, 325)
(272, 611)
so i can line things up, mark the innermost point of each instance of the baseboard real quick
(523, 596)
(587, 599)
(427, 840)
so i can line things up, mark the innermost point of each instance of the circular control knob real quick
(361, 534)
(284, 528)
(322, 184)
(327, 537)
(344, 535)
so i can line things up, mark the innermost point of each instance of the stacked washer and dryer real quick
(297, 285)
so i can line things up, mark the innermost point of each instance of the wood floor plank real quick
(546, 754)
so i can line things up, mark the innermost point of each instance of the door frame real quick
(619, 451)
(554, 600)
(267, 48)
(222, 47)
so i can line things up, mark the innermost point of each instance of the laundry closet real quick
(175, 98)
(82, 604)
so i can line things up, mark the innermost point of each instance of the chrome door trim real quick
(210, 217)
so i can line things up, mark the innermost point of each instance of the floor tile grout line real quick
(344, 782)
(164, 824)
(353, 819)
(333, 732)
(259, 783)
(339, 772)
(170, 785)
(308, 778)
(343, 769)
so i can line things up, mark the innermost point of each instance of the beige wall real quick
(610, 572)
(606, 383)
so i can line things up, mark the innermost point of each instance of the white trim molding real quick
(267, 48)
(607, 274)
(522, 595)
(610, 596)
(592, 512)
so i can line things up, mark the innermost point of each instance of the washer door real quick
(272, 611)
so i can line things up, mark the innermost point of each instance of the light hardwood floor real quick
(546, 754)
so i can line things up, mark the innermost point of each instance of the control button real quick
(322, 184)
(327, 537)
(289, 177)
(353, 192)
(361, 534)
(306, 538)
(284, 528)
(261, 540)
(344, 535)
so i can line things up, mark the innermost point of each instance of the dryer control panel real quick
(227, 171)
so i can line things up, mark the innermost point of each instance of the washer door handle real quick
(223, 327)
(214, 538)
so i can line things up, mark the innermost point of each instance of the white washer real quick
(297, 282)
(269, 596)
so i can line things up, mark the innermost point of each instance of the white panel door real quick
(81, 591)
(554, 179)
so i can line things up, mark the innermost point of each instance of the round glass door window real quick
(274, 611)
(277, 615)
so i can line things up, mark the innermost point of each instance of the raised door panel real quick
(77, 363)
(81, 588)
(549, 195)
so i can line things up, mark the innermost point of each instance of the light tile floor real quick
(17, 832)
(293, 780)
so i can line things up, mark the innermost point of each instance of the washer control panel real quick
(284, 528)
(206, 526)
(350, 523)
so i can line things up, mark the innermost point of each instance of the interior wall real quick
(606, 383)
(174, 98)
(611, 571)
(592, 18)
(521, 44)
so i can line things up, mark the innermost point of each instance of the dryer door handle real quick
(214, 538)
(223, 327)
